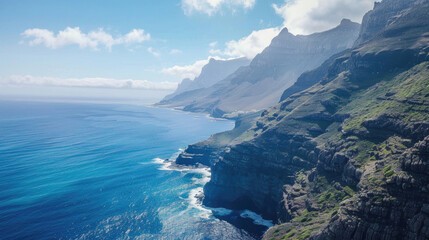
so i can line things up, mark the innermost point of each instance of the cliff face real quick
(346, 158)
(380, 17)
(213, 72)
(310, 78)
(260, 85)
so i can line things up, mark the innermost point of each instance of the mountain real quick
(212, 72)
(261, 84)
(345, 154)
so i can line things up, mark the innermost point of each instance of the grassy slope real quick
(404, 90)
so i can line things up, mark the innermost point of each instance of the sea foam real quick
(257, 219)
(196, 194)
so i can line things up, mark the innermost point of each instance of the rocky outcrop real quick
(416, 160)
(392, 122)
(196, 154)
(251, 177)
(398, 213)
(383, 219)
(380, 17)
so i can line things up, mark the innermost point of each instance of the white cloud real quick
(175, 51)
(300, 17)
(99, 37)
(74, 36)
(248, 46)
(210, 7)
(153, 52)
(87, 82)
(135, 36)
(309, 16)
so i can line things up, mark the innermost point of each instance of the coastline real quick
(245, 219)
(234, 115)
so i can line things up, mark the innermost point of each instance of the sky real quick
(142, 48)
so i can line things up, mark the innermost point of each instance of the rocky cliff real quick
(344, 155)
(261, 84)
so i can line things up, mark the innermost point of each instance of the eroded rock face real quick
(251, 177)
(380, 17)
(392, 122)
(400, 213)
(416, 160)
(197, 154)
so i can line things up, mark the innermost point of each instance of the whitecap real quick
(194, 200)
(221, 211)
(158, 160)
(195, 195)
(257, 219)
(165, 165)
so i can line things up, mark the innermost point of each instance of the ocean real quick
(98, 171)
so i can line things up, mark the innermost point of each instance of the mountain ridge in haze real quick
(214, 71)
(276, 68)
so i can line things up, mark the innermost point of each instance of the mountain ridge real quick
(211, 73)
(261, 84)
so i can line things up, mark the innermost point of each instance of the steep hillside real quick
(261, 84)
(344, 155)
(212, 72)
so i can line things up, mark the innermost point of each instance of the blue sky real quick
(165, 20)
(172, 38)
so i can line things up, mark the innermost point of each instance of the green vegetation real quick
(404, 90)
(349, 191)
(305, 216)
(387, 168)
(377, 199)
(301, 176)
(363, 148)
(393, 95)
(388, 171)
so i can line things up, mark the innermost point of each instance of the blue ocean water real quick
(87, 171)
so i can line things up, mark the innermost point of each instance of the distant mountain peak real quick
(284, 30)
(261, 84)
(214, 71)
(345, 21)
